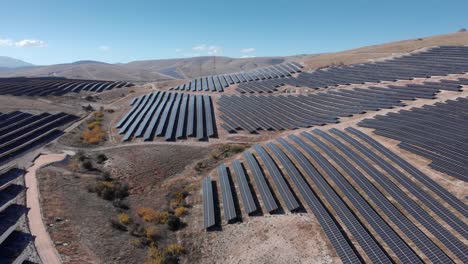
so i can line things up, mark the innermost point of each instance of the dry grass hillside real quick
(147, 71)
(365, 54)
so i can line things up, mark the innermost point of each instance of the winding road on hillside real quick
(43, 243)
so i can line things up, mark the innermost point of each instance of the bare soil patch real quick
(272, 239)
(79, 221)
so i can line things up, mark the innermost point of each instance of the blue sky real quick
(61, 31)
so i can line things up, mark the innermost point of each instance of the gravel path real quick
(44, 245)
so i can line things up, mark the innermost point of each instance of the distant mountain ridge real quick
(9, 62)
(147, 70)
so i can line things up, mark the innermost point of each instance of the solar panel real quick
(149, 115)
(130, 120)
(208, 203)
(182, 115)
(211, 84)
(150, 130)
(284, 190)
(359, 232)
(246, 194)
(162, 122)
(329, 224)
(172, 119)
(259, 178)
(140, 116)
(219, 86)
(205, 84)
(200, 121)
(428, 182)
(209, 120)
(413, 208)
(135, 105)
(191, 116)
(398, 246)
(228, 201)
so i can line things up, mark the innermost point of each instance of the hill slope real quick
(187, 68)
(150, 70)
(365, 54)
(8, 62)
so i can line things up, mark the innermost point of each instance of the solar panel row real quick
(404, 253)
(217, 83)
(208, 204)
(437, 132)
(55, 86)
(278, 112)
(12, 243)
(438, 61)
(413, 206)
(20, 132)
(332, 171)
(169, 115)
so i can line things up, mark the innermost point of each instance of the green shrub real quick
(147, 214)
(174, 223)
(152, 233)
(117, 225)
(121, 204)
(87, 165)
(174, 250)
(105, 176)
(111, 190)
(101, 158)
(81, 156)
(180, 211)
(124, 219)
(137, 230)
(200, 166)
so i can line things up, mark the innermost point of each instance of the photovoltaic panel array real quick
(13, 243)
(20, 132)
(437, 61)
(55, 86)
(332, 170)
(279, 112)
(208, 203)
(218, 83)
(438, 132)
(169, 115)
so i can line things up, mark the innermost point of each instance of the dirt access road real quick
(44, 245)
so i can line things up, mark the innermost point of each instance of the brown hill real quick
(150, 70)
(187, 68)
(365, 54)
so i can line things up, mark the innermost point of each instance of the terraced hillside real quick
(372, 204)
(21, 132)
(15, 241)
(343, 178)
(273, 163)
(55, 86)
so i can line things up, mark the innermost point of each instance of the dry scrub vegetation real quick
(137, 201)
(151, 229)
(218, 154)
(93, 133)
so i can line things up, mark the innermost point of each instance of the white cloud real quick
(178, 50)
(190, 55)
(199, 47)
(214, 50)
(210, 50)
(248, 50)
(6, 42)
(104, 47)
(30, 43)
(247, 56)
